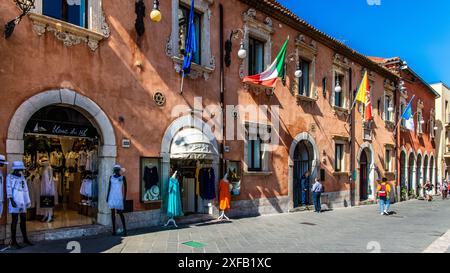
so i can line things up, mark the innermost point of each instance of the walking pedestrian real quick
(383, 190)
(304, 188)
(317, 190)
(428, 191)
(444, 189)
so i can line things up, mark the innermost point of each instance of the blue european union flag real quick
(191, 43)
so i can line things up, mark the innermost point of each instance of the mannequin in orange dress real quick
(224, 197)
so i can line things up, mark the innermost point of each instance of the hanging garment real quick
(17, 189)
(208, 181)
(115, 200)
(47, 182)
(224, 195)
(66, 144)
(86, 188)
(151, 177)
(1, 193)
(82, 159)
(174, 202)
(30, 180)
(91, 160)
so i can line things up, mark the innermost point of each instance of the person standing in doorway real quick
(317, 190)
(444, 189)
(304, 188)
(384, 190)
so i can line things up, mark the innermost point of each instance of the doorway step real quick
(66, 233)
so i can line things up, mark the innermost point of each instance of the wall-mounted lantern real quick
(155, 14)
(242, 53)
(25, 6)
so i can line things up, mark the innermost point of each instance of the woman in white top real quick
(48, 189)
(117, 192)
(19, 201)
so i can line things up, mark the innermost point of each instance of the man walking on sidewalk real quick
(383, 190)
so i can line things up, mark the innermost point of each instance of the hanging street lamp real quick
(155, 14)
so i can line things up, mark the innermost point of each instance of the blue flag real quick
(191, 43)
(408, 116)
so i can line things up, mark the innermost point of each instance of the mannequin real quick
(224, 197)
(174, 207)
(47, 188)
(117, 192)
(19, 201)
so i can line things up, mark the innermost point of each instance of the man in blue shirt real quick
(304, 188)
(317, 190)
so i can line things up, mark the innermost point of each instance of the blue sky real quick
(416, 30)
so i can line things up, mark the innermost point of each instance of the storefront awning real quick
(191, 143)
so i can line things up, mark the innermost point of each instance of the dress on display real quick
(17, 189)
(86, 188)
(224, 195)
(207, 184)
(115, 200)
(47, 182)
(151, 177)
(174, 202)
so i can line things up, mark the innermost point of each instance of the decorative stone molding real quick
(71, 34)
(208, 63)
(261, 30)
(341, 61)
(308, 52)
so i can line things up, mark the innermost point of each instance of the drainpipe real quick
(352, 139)
(222, 96)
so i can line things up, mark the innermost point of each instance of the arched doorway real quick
(426, 178)
(303, 159)
(403, 174)
(432, 177)
(303, 155)
(189, 143)
(412, 168)
(364, 176)
(419, 176)
(78, 105)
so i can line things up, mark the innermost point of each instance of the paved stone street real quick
(415, 226)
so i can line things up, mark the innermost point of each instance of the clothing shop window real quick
(150, 179)
(339, 96)
(388, 104)
(71, 11)
(388, 160)
(183, 17)
(256, 56)
(304, 87)
(339, 157)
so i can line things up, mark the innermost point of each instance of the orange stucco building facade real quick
(116, 79)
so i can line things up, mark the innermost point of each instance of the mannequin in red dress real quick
(224, 197)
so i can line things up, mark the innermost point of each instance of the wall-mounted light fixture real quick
(25, 6)
(155, 14)
(242, 53)
(338, 88)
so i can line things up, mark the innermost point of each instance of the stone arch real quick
(93, 112)
(404, 168)
(371, 174)
(184, 122)
(315, 163)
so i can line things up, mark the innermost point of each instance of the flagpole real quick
(182, 83)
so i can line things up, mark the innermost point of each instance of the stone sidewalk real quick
(413, 227)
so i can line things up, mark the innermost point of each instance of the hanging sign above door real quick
(60, 129)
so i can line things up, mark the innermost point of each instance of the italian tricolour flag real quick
(269, 77)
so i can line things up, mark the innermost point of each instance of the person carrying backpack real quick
(383, 190)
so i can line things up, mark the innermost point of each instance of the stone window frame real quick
(265, 160)
(390, 148)
(70, 34)
(344, 164)
(389, 91)
(261, 30)
(208, 62)
(341, 66)
(308, 52)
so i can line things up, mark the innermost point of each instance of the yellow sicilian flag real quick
(363, 96)
(363, 88)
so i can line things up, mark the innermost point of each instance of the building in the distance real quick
(442, 137)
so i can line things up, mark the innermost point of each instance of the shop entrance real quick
(197, 184)
(61, 156)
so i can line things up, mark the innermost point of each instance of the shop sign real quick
(60, 129)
